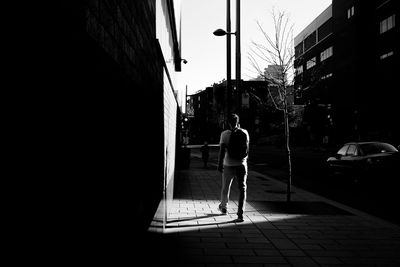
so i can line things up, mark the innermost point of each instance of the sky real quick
(206, 53)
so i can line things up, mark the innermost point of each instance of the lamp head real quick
(219, 32)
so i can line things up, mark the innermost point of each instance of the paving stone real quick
(196, 234)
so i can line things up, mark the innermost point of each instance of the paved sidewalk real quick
(309, 231)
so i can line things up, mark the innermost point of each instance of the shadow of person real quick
(203, 224)
(195, 218)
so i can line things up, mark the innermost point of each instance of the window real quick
(350, 12)
(298, 50)
(375, 148)
(387, 24)
(326, 53)
(343, 150)
(299, 70)
(386, 55)
(352, 151)
(298, 92)
(325, 29)
(326, 76)
(311, 63)
(310, 40)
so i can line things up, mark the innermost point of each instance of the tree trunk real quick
(287, 135)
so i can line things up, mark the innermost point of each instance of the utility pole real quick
(238, 57)
(228, 58)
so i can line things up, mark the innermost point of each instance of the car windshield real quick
(375, 148)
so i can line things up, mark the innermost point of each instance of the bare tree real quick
(277, 50)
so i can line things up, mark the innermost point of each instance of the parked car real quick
(362, 160)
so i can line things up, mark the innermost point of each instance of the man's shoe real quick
(222, 209)
(239, 218)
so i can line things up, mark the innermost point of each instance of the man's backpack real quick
(238, 146)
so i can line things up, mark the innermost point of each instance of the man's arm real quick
(221, 156)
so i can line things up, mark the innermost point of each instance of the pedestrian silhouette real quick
(232, 163)
(205, 153)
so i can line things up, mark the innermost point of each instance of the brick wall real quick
(95, 91)
(170, 125)
(126, 31)
(106, 81)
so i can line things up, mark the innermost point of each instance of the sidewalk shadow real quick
(297, 207)
(202, 224)
(196, 217)
(278, 192)
(198, 224)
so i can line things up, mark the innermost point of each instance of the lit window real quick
(299, 70)
(386, 55)
(326, 76)
(387, 24)
(350, 12)
(326, 53)
(311, 63)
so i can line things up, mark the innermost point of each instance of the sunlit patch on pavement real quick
(195, 215)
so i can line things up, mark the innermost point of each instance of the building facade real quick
(345, 62)
(113, 75)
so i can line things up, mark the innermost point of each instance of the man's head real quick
(233, 120)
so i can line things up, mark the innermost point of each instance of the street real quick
(309, 173)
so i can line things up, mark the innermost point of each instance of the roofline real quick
(314, 25)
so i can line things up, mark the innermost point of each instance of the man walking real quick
(232, 162)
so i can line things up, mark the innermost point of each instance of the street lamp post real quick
(228, 33)
(228, 57)
(238, 56)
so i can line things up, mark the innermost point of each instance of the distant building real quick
(257, 113)
(273, 71)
